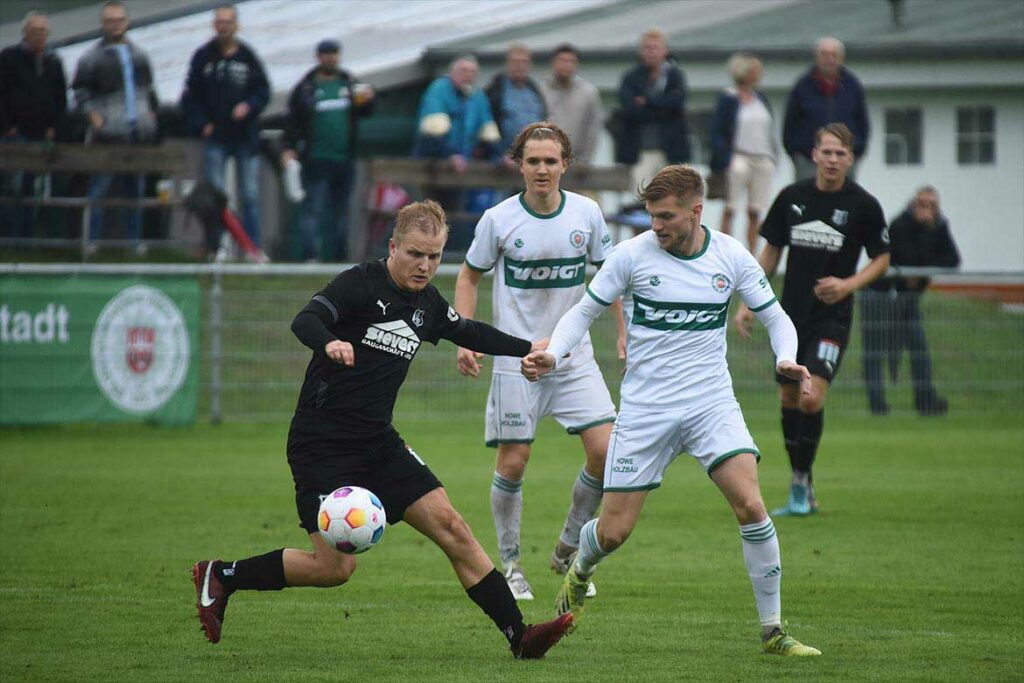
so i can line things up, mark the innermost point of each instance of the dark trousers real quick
(328, 186)
(891, 322)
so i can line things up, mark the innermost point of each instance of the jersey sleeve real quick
(774, 228)
(483, 252)
(613, 278)
(601, 238)
(341, 296)
(446, 321)
(876, 230)
(751, 283)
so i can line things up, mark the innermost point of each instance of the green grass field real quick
(913, 572)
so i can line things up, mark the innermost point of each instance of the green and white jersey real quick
(676, 310)
(541, 263)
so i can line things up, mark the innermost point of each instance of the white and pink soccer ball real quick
(351, 519)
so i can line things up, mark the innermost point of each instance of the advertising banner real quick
(98, 349)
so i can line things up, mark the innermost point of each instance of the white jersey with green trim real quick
(541, 263)
(677, 310)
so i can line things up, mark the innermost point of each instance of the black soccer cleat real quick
(211, 598)
(539, 638)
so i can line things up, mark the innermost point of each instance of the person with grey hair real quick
(827, 93)
(743, 145)
(113, 87)
(33, 103)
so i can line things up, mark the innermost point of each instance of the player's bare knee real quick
(454, 529)
(750, 510)
(334, 568)
(612, 537)
(812, 403)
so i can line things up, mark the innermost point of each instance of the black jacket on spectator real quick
(302, 111)
(667, 110)
(916, 244)
(33, 92)
(215, 84)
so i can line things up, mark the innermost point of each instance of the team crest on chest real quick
(720, 283)
(519, 244)
(839, 217)
(655, 281)
(417, 317)
(578, 239)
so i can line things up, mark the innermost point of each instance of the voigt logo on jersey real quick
(395, 337)
(545, 273)
(140, 349)
(673, 315)
(816, 235)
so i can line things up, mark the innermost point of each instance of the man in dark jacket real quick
(33, 102)
(323, 114)
(920, 236)
(827, 93)
(652, 101)
(113, 86)
(515, 98)
(225, 92)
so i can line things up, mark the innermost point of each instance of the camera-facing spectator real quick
(573, 103)
(515, 98)
(743, 146)
(455, 120)
(33, 103)
(827, 93)
(113, 87)
(891, 308)
(652, 100)
(323, 116)
(225, 92)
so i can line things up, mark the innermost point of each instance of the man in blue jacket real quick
(225, 91)
(827, 93)
(652, 101)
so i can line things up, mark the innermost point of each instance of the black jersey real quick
(825, 232)
(385, 326)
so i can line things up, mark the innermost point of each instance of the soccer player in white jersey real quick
(676, 281)
(539, 242)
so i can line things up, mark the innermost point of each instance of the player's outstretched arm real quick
(467, 288)
(481, 337)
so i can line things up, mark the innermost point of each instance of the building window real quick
(902, 137)
(975, 135)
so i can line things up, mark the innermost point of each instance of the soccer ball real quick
(351, 519)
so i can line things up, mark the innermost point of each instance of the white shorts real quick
(749, 177)
(645, 442)
(578, 399)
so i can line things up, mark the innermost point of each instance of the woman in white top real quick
(744, 145)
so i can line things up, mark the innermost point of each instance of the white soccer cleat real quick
(517, 582)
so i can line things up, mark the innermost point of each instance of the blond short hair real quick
(654, 34)
(740, 65)
(426, 217)
(679, 180)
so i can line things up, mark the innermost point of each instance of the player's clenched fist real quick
(341, 352)
(537, 364)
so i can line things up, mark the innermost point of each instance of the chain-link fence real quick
(252, 366)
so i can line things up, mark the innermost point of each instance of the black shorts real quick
(385, 465)
(821, 347)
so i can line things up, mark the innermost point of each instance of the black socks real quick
(260, 573)
(493, 596)
(811, 426)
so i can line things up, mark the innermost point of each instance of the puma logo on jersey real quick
(395, 337)
(660, 315)
(798, 209)
(545, 273)
(383, 306)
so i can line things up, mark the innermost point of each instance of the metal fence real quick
(252, 366)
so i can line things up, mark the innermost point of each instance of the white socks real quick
(590, 552)
(507, 509)
(761, 555)
(586, 498)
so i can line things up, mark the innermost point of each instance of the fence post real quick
(215, 357)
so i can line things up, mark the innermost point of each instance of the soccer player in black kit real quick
(364, 329)
(825, 221)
